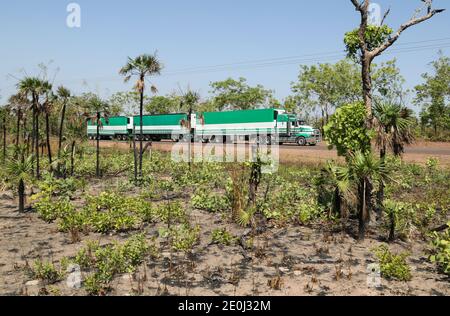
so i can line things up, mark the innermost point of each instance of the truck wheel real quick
(301, 141)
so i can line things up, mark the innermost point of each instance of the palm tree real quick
(31, 87)
(46, 108)
(99, 112)
(4, 115)
(365, 170)
(338, 179)
(64, 95)
(19, 104)
(393, 125)
(189, 101)
(141, 67)
(18, 170)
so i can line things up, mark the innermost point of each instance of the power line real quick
(290, 60)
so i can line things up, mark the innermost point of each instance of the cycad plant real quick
(19, 171)
(141, 67)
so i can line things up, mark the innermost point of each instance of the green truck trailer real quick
(264, 126)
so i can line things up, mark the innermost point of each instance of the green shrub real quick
(107, 261)
(211, 202)
(173, 211)
(46, 271)
(223, 237)
(50, 210)
(182, 237)
(393, 266)
(441, 250)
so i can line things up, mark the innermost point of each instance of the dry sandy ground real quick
(301, 260)
(418, 153)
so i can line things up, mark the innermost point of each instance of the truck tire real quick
(301, 141)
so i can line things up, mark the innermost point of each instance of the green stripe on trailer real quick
(239, 117)
(113, 121)
(160, 120)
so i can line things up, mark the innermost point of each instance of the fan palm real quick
(99, 112)
(365, 171)
(393, 125)
(18, 170)
(33, 87)
(46, 108)
(64, 95)
(141, 67)
(4, 116)
(339, 179)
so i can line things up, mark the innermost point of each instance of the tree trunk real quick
(36, 144)
(364, 215)
(4, 139)
(141, 125)
(367, 88)
(392, 227)
(380, 193)
(72, 158)
(60, 136)
(97, 169)
(135, 156)
(19, 114)
(49, 148)
(21, 192)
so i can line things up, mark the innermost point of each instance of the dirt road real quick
(418, 153)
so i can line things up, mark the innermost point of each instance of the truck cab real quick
(292, 129)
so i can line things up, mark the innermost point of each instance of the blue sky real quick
(195, 34)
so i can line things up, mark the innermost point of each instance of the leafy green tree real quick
(238, 95)
(164, 104)
(434, 96)
(141, 67)
(125, 103)
(347, 132)
(388, 83)
(326, 87)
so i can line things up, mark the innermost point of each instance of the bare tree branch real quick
(378, 51)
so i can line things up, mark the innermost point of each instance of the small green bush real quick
(46, 271)
(223, 237)
(211, 202)
(441, 250)
(393, 266)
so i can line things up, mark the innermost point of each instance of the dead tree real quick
(367, 55)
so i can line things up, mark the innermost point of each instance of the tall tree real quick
(370, 41)
(46, 107)
(31, 87)
(64, 95)
(393, 124)
(326, 87)
(238, 95)
(141, 67)
(99, 113)
(4, 116)
(434, 95)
